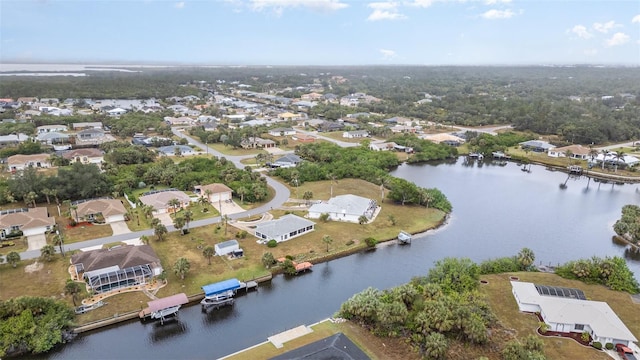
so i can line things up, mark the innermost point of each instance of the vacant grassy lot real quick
(227, 150)
(498, 291)
(376, 348)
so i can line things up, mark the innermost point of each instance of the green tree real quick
(308, 195)
(13, 258)
(181, 267)
(188, 216)
(362, 219)
(209, 252)
(526, 257)
(435, 346)
(72, 288)
(47, 252)
(178, 223)
(455, 275)
(174, 204)
(58, 240)
(327, 240)
(160, 231)
(144, 239)
(268, 260)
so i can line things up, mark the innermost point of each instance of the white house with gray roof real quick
(573, 315)
(344, 208)
(283, 229)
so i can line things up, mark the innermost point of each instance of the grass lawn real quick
(84, 231)
(498, 291)
(48, 281)
(337, 135)
(20, 244)
(376, 348)
(233, 152)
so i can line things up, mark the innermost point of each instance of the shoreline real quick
(132, 315)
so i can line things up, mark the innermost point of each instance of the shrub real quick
(543, 327)
(608, 346)
(324, 217)
(272, 243)
(288, 267)
(585, 336)
(597, 345)
(72, 223)
(350, 242)
(371, 242)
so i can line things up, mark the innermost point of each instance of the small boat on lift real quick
(404, 237)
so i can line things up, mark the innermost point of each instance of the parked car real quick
(625, 352)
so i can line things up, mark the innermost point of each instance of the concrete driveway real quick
(120, 227)
(36, 242)
(165, 219)
(227, 208)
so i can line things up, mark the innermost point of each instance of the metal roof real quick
(170, 301)
(220, 287)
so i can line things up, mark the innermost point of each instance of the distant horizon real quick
(322, 32)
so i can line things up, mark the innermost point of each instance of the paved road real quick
(281, 196)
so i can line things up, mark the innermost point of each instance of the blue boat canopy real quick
(220, 287)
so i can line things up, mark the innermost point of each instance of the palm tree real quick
(604, 153)
(333, 179)
(181, 267)
(383, 182)
(188, 216)
(30, 198)
(175, 204)
(147, 210)
(144, 239)
(618, 156)
(593, 153)
(208, 253)
(58, 239)
(74, 208)
(160, 231)
(327, 240)
(225, 220)
(72, 288)
(308, 195)
(362, 220)
(13, 258)
(47, 252)
(242, 191)
(178, 223)
(48, 192)
(526, 257)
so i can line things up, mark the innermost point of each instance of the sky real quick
(322, 32)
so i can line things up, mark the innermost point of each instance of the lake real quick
(497, 210)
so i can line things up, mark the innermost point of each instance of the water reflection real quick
(171, 328)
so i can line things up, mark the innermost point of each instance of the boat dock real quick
(303, 266)
(221, 293)
(161, 309)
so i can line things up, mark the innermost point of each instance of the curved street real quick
(281, 196)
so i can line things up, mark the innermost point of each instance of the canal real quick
(497, 211)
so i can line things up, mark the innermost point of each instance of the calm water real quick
(497, 211)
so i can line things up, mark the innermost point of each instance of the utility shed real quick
(227, 247)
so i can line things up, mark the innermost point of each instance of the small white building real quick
(355, 134)
(227, 247)
(282, 132)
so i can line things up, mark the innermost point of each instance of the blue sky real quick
(322, 32)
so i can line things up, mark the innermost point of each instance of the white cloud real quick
(605, 27)
(279, 5)
(421, 3)
(636, 19)
(179, 5)
(495, 14)
(388, 54)
(377, 15)
(590, 52)
(387, 10)
(383, 5)
(494, 2)
(618, 38)
(581, 31)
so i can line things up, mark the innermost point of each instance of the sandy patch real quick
(36, 266)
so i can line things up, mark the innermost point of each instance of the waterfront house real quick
(566, 314)
(20, 162)
(159, 200)
(536, 145)
(382, 146)
(110, 210)
(285, 228)
(577, 152)
(117, 267)
(347, 208)
(31, 221)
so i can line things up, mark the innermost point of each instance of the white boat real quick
(217, 300)
(84, 308)
(404, 237)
